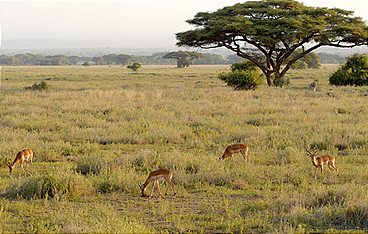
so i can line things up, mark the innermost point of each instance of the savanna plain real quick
(98, 131)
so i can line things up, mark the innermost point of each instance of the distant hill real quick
(93, 49)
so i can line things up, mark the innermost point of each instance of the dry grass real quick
(104, 128)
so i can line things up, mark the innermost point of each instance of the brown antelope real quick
(313, 86)
(154, 178)
(236, 148)
(23, 155)
(320, 161)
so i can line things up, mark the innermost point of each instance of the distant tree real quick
(184, 58)
(99, 60)
(120, 59)
(233, 58)
(208, 58)
(85, 63)
(311, 60)
(353, 72)
(268, 32)
(331, 58)
(8, 60)
(134, 66)
(75, 59)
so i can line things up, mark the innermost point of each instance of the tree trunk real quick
(269, 80)
(179, 64)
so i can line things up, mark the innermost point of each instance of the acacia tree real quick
(184, 58)
(268, 32)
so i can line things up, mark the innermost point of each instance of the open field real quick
(98, 131)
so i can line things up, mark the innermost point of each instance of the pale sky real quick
(124, 23)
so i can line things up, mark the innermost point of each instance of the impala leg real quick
(322, 169)
(27, 166)
(244, 155)
(167, 187)
(334, 167)
(173, 187)
(158, 187)
(21, 166)
(153, 188)
(315, 173)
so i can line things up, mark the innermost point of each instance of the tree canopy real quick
(184, 58)
(268, 32)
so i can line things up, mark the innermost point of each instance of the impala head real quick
(10, 167)
(311, 154)
(141, 187)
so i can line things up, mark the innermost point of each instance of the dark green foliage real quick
(353, 72)
(242, 66)
(134, 66)
(86, 64)
(243, 76)
(268, 32)
(241, 80)
(39, 86)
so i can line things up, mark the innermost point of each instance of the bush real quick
(353, 72)
(134, 66)
(243, 76)
(56, 186)
(92, 165)
(39, 86)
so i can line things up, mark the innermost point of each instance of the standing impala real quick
(236, 148)
(320, 161)
(23, 155)
(154, 178)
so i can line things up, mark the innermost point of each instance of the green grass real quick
(98, 131)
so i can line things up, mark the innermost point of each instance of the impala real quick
(154, 178)
(313, 86)
(236, 148)
(320, 161)
(23, 155)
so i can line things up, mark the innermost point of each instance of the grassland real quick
(98, 131)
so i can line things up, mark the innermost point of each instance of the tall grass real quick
(98, 131)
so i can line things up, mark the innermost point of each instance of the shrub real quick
(134, 66)
(243, 76)
(39, 86)
(92, 165)
(45, 186)
(118, 180)
(86, 64)
(353, 72)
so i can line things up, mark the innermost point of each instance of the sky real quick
(124, 23)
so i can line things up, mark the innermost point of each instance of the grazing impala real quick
(320, 161)
(236, 148)
(154, 178)
(23, 155)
